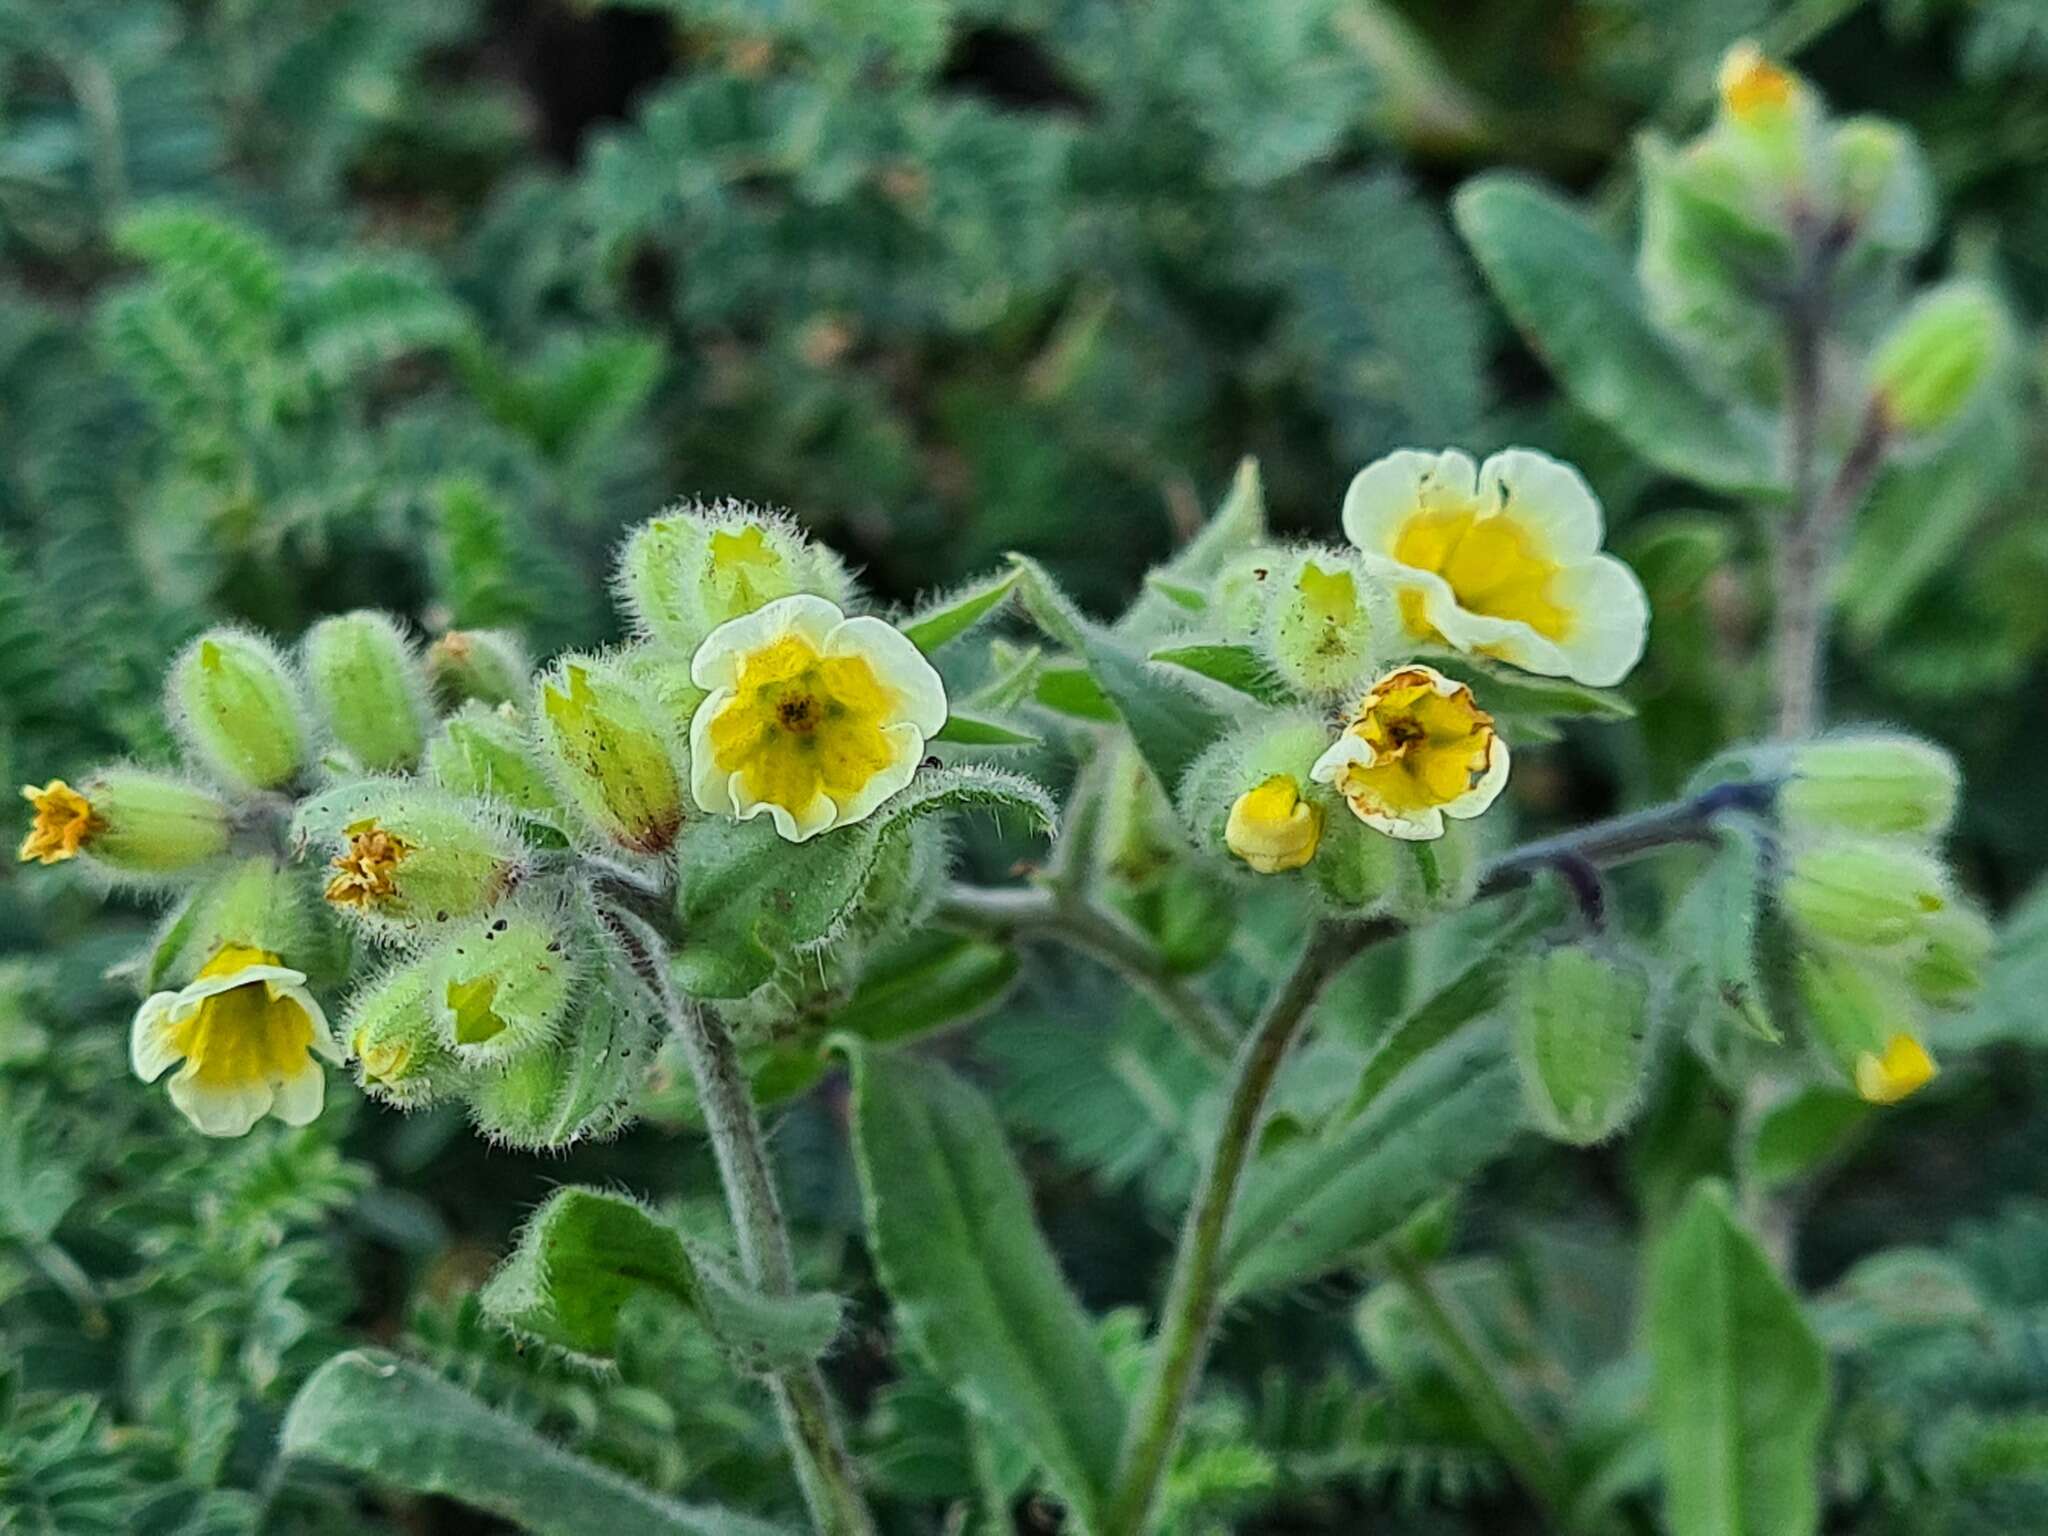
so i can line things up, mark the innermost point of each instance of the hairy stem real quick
(810, 1422)
(1095, 931)
(1196, 1289)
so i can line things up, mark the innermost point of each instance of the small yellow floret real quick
(1272, 828)
(800, 723)
(383, 1061)
(1416, 746)
(64, 820)
(1751, 85)
(1903, 1069)
(365, 871)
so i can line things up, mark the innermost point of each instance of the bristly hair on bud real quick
(486, 665)
(503, 983)
(131, 825)
(406, 858)
(610, 752)
(368, 684)
(700, 564)
(236, 703)
(391, 1033)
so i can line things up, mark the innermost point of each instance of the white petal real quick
(220, 1111)
(710, 785)
(1341, 754)
(208, 986)
(899, 665)
(1487, 789)
(149, 1038)
(298, 1099)
(1384, 494)
(793, 824)
(323, 1042)
(1610, 618)
(906, 744)
(1546, 496)
(718, 659)
(1508, 640)
(1418, 827)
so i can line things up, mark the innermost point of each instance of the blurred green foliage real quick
(313, 304)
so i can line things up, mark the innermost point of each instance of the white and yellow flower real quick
(811, 718)
(1417, 748)
(247, 1030)
(1272, 828)
(1503, 561)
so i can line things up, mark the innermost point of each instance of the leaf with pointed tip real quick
(1072, 692)
(401, 1426)
(1234, 666)
(1575, 299)
(952, 616)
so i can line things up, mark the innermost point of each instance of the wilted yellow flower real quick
(365, 870)
(247, 1030)
(1272, 828)
(811, 718)
(1903, 1069)
(64, 819)
(1418, 748)
(1503, 561)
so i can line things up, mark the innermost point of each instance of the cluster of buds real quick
(1370, 737)
(469, 822)
(1777, 203)
(1883, 940)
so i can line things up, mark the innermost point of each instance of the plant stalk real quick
(810, 1422)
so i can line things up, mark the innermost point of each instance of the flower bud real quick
(1321, 625)
(236, 706)
(1580, 1028)
(605, 747)
(1936, 357)
(488, 665)
(1883, 785)
(684, 574)
(501, 985)
(1272, 828)
(485, 753)
(1768, 116)
(658, 571)
(1244, 589)
(408, 856)
(1956, 943)
(130, 821)
(1864, 894)
(1868, 1022)
(369, 689)
(1883, 189)
(519, 1106)
(390, 1031)
(252, 904)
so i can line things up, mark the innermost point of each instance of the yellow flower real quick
(1272, 828)
(1503, 561)
(1417, 749)
(365, 870)
(1903, 1069)
(244, 1029)
(811, 717)
(1751, 85)
(64, 820)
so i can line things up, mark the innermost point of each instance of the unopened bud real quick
(1930, 365)
(684, 574)
(488, 665)
(1320, 628)
(1867, 1020)
(1864, 894)
(390, 1031)
(153, 824)
(234, 702)
(369, 688)
(501, 985)
(1884, 191)
(1244, 589)
(1955, 946)
(1883, 785)
(408, 856)
(1272, 828)
(520, 1106)
(485, 753)
(609, 753)
(1580, 1025)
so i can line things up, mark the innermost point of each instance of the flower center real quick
(801, 724)
(244, 1035)
(1493, 565)
(365, 872)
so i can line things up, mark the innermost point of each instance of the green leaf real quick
(402, 1426)
(1575, 299)
(976, 1289)
(1071, 691)
(967, 731)
(1740, 1382)
(1235, 666)
(1581, 1030)
(1793, 1138)
(749, 901)
(951, 617)
(1311, 1207)
(2015, 981)
(587, 1253)
(1169, 724)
